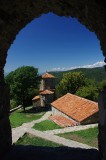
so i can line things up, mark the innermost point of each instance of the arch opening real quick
(40, 44)
(89, 13)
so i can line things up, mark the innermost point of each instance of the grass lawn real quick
(19, 117)
(46, 125)
(88, 136)
(29, 139)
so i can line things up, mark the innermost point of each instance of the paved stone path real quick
(21, 130)
(71, 129)
(50, 135)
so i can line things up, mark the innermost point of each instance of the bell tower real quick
(47, 82)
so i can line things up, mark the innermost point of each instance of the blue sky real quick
(51, 42)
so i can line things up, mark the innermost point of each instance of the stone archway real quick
(14, 15)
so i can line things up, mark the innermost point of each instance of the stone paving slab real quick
(21, 130)
(50, 135)
(59, 140)
(71, 129)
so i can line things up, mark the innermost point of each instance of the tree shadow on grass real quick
(20, 152)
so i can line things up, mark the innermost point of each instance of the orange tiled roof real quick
(47, 75)
(46, 92)
(75, 107)
(63, 121)
(36, 98)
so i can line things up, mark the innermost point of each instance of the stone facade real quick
(45, 91)
(37, 103)
(42, 85)
(90, 120)
(5, 128)
(46, 100)
(102, 123)
(47, 83)
(57, 112)
(15, 15)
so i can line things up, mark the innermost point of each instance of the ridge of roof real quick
(36, 97)
(76, 97)
(47, 75)
(46, 92)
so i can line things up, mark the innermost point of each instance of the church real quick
(46, 91)
(72, 110)
(68, 110)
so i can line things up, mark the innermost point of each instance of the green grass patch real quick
(19, 117)
(29, 139)
(46, 125)
(88, 136)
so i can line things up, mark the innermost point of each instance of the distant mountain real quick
(98, 74)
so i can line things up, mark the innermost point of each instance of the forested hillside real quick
(97, 74)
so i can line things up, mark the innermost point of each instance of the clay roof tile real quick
(47, 75)
(46, 92)
(75, 107)
(36, 98)
(63, 121)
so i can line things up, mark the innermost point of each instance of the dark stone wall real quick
(5, 128)
(16, 14)
(36, 103)
(49, 83)
(49, 99)
(92, 119)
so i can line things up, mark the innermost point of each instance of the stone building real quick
(36, 101)
(46, 92)
(76, 109)
(47, 82)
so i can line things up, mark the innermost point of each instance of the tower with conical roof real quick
(46, 91)
(47, 82)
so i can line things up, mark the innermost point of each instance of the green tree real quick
(88, 92)
(102, 84)
(24, 83)
(70, 82)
